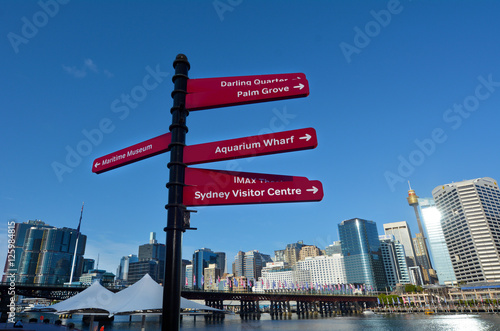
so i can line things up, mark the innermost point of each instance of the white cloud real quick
(73, 71)
(108, 74)
(88, 65)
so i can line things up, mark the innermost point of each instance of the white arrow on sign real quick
(97, 164)
(314, 189)
(300, 86)
(306, 137)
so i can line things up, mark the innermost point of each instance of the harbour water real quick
(377, 322)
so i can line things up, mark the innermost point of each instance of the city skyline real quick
(152, 235)
(470, 207)
(399, 90)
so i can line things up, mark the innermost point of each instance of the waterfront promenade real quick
(439, 309)
(389, 321)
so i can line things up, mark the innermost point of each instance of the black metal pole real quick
(175, 207)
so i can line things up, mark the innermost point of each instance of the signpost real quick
(203, 187)
(213, 187)
(231, 91)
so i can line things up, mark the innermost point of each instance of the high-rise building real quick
(334, 248)
(275, 274)
(150, 260)
(254, 262)
(403, 266)
(152, 250)
(88, 264)
(137, 270)
(212, 275)
(239, 264)
(396, 270)
(44, 254)
(323, 270)
(309, 251)
(290, 254)
(201, 259)
(184, 275)
(362, 255)
(250, 264)
(221, 262)
(421, 253)
(470, 212)
(401, 231)
(437, 243)
(188, 280)
(123, 269)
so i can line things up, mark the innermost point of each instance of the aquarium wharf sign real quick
(204, 187)
(272, 143)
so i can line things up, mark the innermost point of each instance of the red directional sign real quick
(272, 143)
(279, 142)
(206, 93)
(214, 187)
(137, 152)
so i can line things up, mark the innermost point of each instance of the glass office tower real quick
(201, 259)
(46, 253)
(362, 254)
(437, 243)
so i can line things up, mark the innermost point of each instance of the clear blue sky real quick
(399, 91)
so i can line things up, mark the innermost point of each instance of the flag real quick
(194, 280)
(202, 280)
(399, 302)
(378, 301)
(186, 281)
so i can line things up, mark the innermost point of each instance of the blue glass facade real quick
(362, 254)
(46, 253)
(201, 259)
(437, 243)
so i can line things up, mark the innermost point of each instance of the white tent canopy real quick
(146, 296)
(143, 297)
(93, 300)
